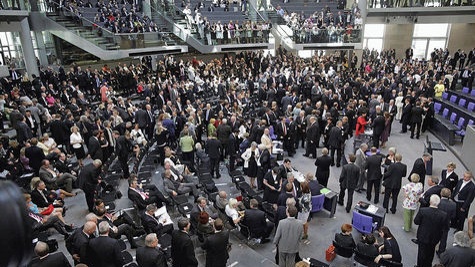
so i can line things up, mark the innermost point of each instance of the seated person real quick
(345, 239)
(255, 220)
(389, 250)
(182, 176)
(176, 187)
(144, 195)
(54, 179)
(314, 185)
(366, 247)
(156, 225)
(200, 206)
(221, 200)
(284, 195)
(61, 165)
(43, 198)
(203, 158)
(122, 218)
(232, 212)
(116, 231)
(205, 225)
(42, 223)
(174, 162)
(58, 212)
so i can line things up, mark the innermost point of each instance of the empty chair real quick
(445, 113)
(472, 93)
(460, 123)
(462, 102)
(471, 106)
(445, 95)
(317, 203)
(465, 90)
(461, 131)
(437, 107)
(453, 99)
(362, 223)
(453, 116)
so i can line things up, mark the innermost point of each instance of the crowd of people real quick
(225, 109)
(412, 3)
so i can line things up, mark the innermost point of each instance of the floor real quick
(322, 228)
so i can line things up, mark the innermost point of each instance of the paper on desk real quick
(162, 216)
(372, 209)
(325, 191)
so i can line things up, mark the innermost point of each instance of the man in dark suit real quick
(152, 225)
(432, 222)
(406, 114)
(434, 189)
(463, 195)
(60, 132)
(141, 118)
(282, 132)
(449, 177)
(255, 220)
(94, 146)
(460, 254)
(105, 251)
(290, 179)
(419, 167)
(311, 138)
(213, 149)
(45, 259)
(416, 119)
(335, 141)
(223, 132)
(392, 179)
(142, 196)
(378, 128)
(183, 251)
(35, 155)
(323, 167)
(233, 148)
(216, 246)
(348, 181)
(151, 255)
(373, 166)
(88, 181)
(77, 243)
(447, 205)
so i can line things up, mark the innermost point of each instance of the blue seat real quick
(460, 123)
(445, 113)
(462, 102)
(461, 131)
(445, 95)
(471, 106)
(271, 133)
(453, 117)
(453, 99)
(472, 93)
(317, 203)
(437, 107)
(465, 90)
(362, 223)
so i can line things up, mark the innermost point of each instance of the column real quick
(147, 10)
(41, 48)
(27, 48)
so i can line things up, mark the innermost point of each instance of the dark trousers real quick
(376, 138)
(387, 194)
(404, 125)
(415, 125)
(214, 166)
(460, 217)
(124, 229)
(124, 166)
(311, 149)
(338, 155)
(232, 162)
(89, 199)
(341, 197)
(443, 241)
(298, 138)
(425, 255)
(376, 185)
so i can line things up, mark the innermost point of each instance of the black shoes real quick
(415, 241)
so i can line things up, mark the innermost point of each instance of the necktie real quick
(43, 195)
(285, 128)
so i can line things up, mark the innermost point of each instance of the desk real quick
(378, 216)
(429, 147)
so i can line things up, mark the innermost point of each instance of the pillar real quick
(147, 10)
(27, 48)
(41, 48)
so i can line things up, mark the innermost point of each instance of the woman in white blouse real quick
(250, 157)
(76, 141)
(138, 135)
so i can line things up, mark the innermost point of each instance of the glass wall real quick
(426, 37)
(373, 36)
(10, 48)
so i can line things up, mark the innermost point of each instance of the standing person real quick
(263, 163)
(305, 202)
(389, 250)
(272, 185)
(416, 119)
(460, 254)
(250, 157)
(463, 195)
(447, 205)
(387, 129)
(412, 192)
(187, 148)
(406, 114)
(449, 178)
(213, 149)
(432, 222)
(311, 138)
(216, 246)
(335, 142)
(151, 255)
(287, 238)
(361, 123)
(392, 179)
(323, 164)
(360, 163)
(46, 259)
(89, 179)
(123, 149)
(419, 167)
(373, 165)
(233, 148)
(348, 181)
(77, 142)
(378, 127)
(105, 251)
(183, 251)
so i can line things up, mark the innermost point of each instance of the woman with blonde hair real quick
(412, 192)
(250, 157)
(77, 142)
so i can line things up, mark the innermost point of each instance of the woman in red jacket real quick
(360, 124)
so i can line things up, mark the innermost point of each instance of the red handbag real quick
(48, 211)
(330, 253)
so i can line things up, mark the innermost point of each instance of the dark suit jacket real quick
(449, 207)
(449, 181)
(137, 199)
(458, 256)
(419, 168)
(312, 133)
(183, 251)
(141, 117)
(335, 137)
(431, 222)
(323, 166)
(406, 113)
(105, 251)
(24, 132)
(393, 176)
(88, 177)
(212, 148)
(255, 219)
(349, 176)
(373, 165)
(150, 257)
(38, 199)
(151, 225)
(434, 190)
(233, 145)
(52, 260)
(297, 188)
(94, 148)
(416, 114)
(216, 249)
(77, 244)
(36, 155)
(378, 125)
(465, 195)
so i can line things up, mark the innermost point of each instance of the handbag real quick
(48, 211)
(330, 253)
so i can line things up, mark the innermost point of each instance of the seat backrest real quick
(317, 202)
(437, 107)
(461, 122)
(445, 113)
(445, 95)
(453, 116)
(472, 93)
(362, 223)
(470, 122)
(342, 251)
(453, 99)
(471, 106)
(127, 257)
(462, 102)
(465, 90)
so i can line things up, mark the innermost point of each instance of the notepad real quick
(325, 191)
(372, 209)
